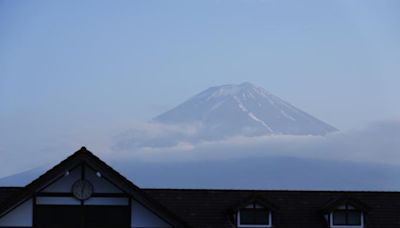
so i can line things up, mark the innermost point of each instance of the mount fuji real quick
(245, 110)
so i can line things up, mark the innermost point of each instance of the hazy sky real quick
(95, 60)
(90, 66)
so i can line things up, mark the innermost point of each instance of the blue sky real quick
(81, 66)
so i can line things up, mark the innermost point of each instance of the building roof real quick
(216, 208)
(12, 197)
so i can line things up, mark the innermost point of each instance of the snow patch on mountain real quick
(242, 109)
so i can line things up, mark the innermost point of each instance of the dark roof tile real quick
(208, 208)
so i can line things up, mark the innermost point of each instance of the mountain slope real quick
(243, 109)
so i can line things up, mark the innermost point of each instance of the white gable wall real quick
(100, 184)
(65, 183)
(20, 216)
(143, 217)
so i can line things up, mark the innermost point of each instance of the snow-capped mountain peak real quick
(244, 89)
(243, 109)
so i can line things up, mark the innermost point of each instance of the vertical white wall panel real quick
(19, 216)
(143, 217)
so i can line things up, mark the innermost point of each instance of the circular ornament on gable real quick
(82, 189)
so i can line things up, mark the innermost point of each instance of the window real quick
(57, 216)
(107, 216)
(254, 215)
(71, 216)
(346, 216)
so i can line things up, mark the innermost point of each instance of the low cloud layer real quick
(154, 155)
(378, 142)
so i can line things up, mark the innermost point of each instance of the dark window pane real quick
(254, 217)
(339, 217)
(354, 218)
(261, 217)
(107, 217)
(54, 216)
(58, 216)
(246, 217)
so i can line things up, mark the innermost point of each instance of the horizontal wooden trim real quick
(79, 206)
(69, 194)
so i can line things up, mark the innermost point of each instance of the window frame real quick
(346, 209)
(238, 222)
